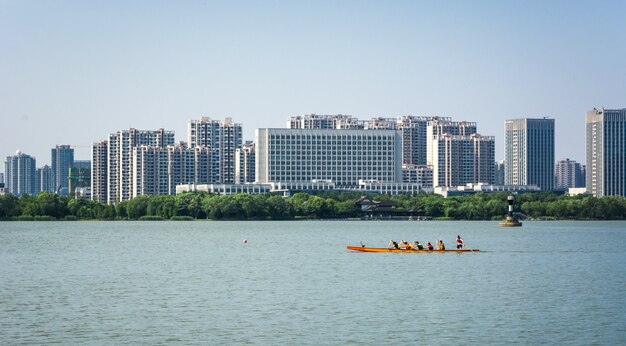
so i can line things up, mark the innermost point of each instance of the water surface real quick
(295, 283)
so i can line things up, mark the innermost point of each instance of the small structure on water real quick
(510, 220)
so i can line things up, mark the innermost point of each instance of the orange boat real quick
(384, 249)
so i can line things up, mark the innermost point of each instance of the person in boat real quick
(430, 246)
(392, 244)
(459, 242)
(417, 246)
(441, 245)
(407, 246)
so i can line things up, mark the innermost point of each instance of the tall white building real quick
(529, 152)
(99, 171)
(462, 159)
(222, 136)
(157, 170)
(414, 131)
(116, 155)
(342, 156)
(445, 126)
(121, 145)
(245, 163)
(606, 152)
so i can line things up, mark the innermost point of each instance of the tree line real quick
(324, 205)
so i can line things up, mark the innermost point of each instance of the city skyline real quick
(76, 71)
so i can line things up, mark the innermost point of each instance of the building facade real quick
(112, 162)
(224, 137)
(568, 174)
(418, 174)
(444, 126)
(158, 170)
(62, 158)
(413, 130)
(341, 156)
(606, 152)
(99, 171)
(120, 160)
(21, 174)
(460, 159)
(316, 121)
(45, 179)
(245, 164)
(529, 152)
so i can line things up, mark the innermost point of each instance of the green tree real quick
(9, 206)
(137, 207)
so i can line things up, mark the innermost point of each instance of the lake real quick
(295, 283)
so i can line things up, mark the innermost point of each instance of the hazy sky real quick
(71, 72)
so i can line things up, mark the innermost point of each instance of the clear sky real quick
(71, 72)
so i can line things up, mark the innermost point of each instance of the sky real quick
(71, 72)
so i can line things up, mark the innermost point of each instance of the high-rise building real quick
(45, 181)
(99, 171)
(444, 126)
(606, 152)
(245, 163)
(342, 156)
(529, 152)
(413, 130)
(568, 173)
(112, 162)
(224, 137)
(1, 178)
(62, 159)
(462, 159)
(157, 170)
(21, 174)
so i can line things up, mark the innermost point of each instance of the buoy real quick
(245, 241)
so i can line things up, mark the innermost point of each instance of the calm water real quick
(294, 283)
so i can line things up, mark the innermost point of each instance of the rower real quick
(417, 245)
(429, 245)
(441, 245)
(459, 242)
(392, 244)
(407, 246)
